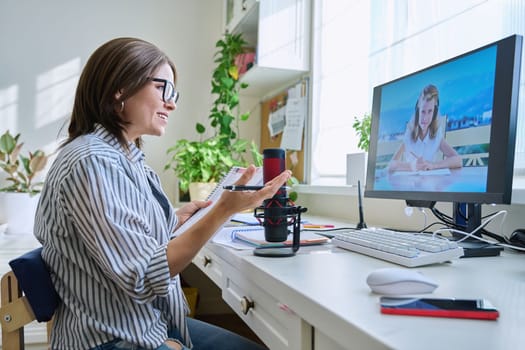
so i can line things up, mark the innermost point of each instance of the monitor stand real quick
(477, 249)
(471, 219)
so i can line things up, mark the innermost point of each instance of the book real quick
(255, 236)
(229, 179)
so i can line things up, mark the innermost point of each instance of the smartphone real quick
(439, 307)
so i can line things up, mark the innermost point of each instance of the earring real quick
(122, 106)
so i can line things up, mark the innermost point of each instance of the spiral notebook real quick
(256, 237)
(229, 179)
(249, 237)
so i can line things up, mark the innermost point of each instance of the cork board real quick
(294, 159)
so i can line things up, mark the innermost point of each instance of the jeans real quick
(204, 336)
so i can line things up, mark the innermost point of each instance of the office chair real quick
(27, 293)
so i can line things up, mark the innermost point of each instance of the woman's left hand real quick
(187, 210)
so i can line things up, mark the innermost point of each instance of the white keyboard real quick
(403, 248)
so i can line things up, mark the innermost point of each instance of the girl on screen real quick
(424, 137)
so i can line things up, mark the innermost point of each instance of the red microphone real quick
(278, 212)
(275, 228)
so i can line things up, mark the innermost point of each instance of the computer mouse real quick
(517, 237)
(399, 281)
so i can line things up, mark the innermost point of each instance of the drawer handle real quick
(207, 261)
(246, 305)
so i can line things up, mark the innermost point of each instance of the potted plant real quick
(356, 163)
(210, 158)
(362, 128)
(20, 196)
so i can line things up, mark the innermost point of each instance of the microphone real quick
(276, 228)
(361, 223)
(278, 212)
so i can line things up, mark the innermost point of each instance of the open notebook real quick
(229, 179)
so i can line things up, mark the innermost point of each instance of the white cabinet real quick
(209, 263)
(279, 30)
(321, 341)
(236, 11)
(268, 317)
(283, 39)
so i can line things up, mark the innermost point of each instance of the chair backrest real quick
(27, 293)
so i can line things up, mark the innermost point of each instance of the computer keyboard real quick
(403, 248)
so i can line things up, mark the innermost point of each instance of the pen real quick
(242, 188)
(318, 226)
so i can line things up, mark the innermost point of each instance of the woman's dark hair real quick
(122, 65)
(429, 92)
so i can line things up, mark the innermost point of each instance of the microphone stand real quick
(294, 216)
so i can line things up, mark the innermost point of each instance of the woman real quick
(424, 138)
(105, 224)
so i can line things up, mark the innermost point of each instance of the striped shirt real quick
(104, 234)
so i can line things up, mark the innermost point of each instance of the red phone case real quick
(400, 309)
(480, 315)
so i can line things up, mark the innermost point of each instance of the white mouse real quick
(399, 281)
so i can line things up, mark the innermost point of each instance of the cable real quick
(430, 225)
(489, 242)
(479, 228)
(449, 221)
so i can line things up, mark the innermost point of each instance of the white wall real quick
(45, 44)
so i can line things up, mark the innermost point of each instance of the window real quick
(358, 44)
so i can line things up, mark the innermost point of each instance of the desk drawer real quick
(211, 265)
(276, 325)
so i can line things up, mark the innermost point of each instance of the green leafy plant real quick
(198, 161)
(224, 114)
(208, 159)
(21, 170)
(362, 128)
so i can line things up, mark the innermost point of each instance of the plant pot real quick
(18, 211)
(201, 190)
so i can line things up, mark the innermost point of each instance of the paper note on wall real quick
(295, 114)
(276, 122)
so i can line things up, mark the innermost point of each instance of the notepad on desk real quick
(255, 237)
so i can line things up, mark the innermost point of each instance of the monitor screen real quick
(447, 133)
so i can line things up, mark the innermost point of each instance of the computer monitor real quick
(446, 133)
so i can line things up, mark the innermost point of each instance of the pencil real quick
(318, 226)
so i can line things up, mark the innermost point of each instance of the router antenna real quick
(361, 223)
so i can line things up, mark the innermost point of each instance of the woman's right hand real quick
(237, 201)
(183, 249)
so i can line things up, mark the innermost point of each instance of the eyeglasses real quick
(168, 90)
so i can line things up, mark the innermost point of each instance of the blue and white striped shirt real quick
(104, 235)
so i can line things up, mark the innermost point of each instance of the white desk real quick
(320, 300)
